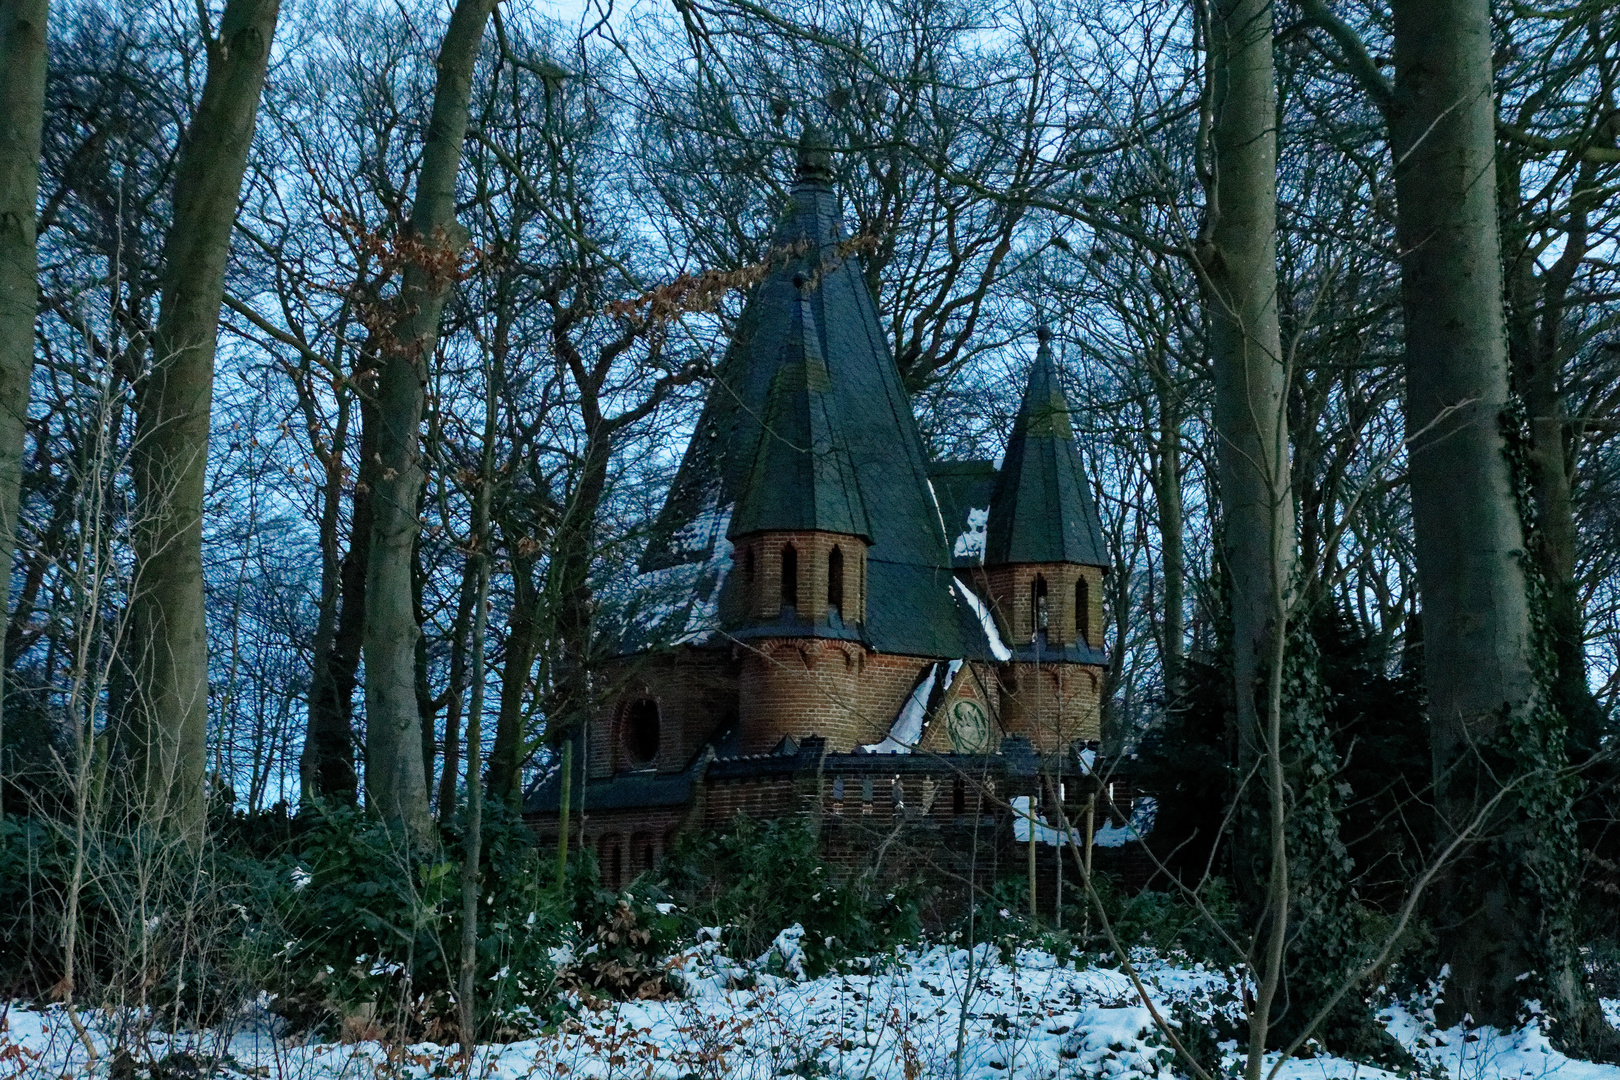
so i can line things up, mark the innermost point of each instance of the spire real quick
(1042, 511)
(815, 157)
(802, 478)
(911, 607)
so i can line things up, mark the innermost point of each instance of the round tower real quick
(1042, 575)
(799, 535)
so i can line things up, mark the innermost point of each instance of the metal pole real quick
(566, 796)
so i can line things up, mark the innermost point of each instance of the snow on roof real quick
(906, 731)
(992, 635)
(970, 544)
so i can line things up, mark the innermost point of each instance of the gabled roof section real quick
(963, 489)
(1041, 511)
(911, 606)
(802, 478)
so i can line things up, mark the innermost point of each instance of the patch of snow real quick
(930, 1011)
(970, 544)
(906, 730)
(1143, 815)
(998, 648)
(691, 591)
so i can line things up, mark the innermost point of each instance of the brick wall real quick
(1010, 590)
(696, 693)
(760, 599)
(799, 687)
(1052, 705)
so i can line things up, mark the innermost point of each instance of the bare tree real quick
(168, 727)
(22, 109)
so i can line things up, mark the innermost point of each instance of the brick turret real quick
(1042, 572)
(799, 537)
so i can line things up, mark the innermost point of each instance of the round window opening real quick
(641, 731)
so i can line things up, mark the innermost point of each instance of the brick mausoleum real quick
(897, 648)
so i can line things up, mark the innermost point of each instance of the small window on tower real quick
(790, 576)
(748, 564)
(1040, 603)
(1082, 610)
(835, 582)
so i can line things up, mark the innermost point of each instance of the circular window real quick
(641, 731)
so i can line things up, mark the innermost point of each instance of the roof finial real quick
(1043, 332)
(815, 156)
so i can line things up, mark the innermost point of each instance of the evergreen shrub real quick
(756, 878)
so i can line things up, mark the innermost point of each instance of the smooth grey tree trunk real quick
(169, 717)
(1172, 525)
(1537, 310)
(396, 783)
(1238, 260)
(1478, 650)
(22, 114)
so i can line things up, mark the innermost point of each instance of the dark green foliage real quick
(1381, 740)
(372, 923)
(323, 909)
(158, 923)
(1169, 922)
(1355, 758)
(756, 878)
(1187, 760)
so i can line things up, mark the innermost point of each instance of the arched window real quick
(1082, 610)
(610, 857)
(641, 731)
(748, 564)
(835, 582)
(790, 576)
(1040, 603)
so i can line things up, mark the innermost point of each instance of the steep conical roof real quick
(1042, 511)
(911, 604)
(803, 478)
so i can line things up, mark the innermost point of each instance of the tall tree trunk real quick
(1167, 497)
(1478, 651)
(458, 684)
(478, 558)
(173, 401)
(396, 783)
(1536, 313)
(568, 579)
(522, 642)
(22, 113)
(1238, 259)
(329, 745)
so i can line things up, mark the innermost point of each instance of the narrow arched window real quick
(790, 576)
(835, 582)
(1082, 610)
(1040, 603)
(748, 564)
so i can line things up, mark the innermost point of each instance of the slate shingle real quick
(1042, 510)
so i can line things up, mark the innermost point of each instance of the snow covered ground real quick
(912, 1017)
